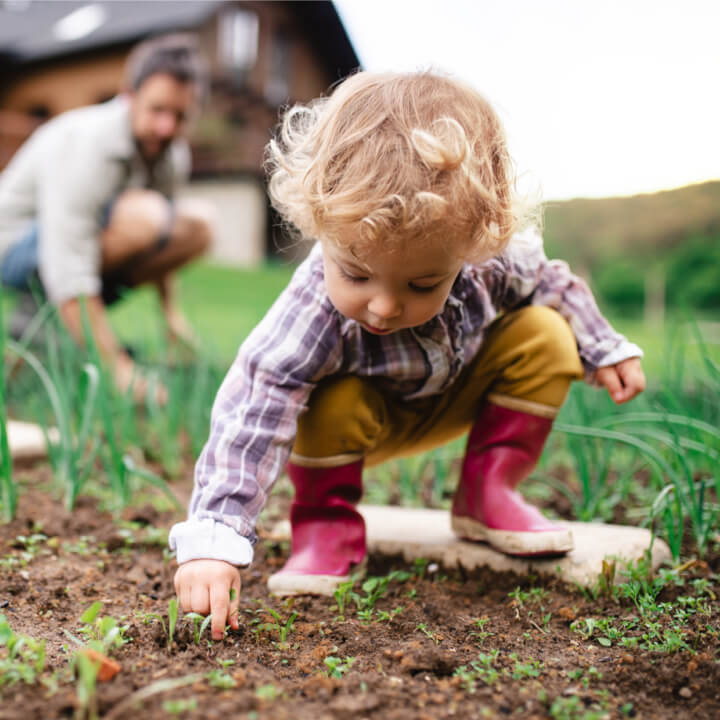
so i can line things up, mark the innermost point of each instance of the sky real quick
(598, 98)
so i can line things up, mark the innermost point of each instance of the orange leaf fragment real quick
(108, 667)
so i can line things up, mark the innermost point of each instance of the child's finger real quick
(608, 377)
(632, 375)
(219, 607)
(234, 601)
(199, 600)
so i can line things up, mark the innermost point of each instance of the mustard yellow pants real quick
(527, 362)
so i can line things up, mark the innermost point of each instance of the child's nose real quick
(384, 306)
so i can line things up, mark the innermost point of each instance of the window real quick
(238, 40)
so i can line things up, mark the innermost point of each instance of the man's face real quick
(159, 111)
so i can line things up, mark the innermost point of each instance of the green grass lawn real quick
(224, 305)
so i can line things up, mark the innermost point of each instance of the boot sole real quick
(285, 584)
(515, 542)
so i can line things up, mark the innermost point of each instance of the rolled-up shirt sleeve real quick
(254, 419)
(531, 277)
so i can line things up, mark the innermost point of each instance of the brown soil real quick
(403, 667)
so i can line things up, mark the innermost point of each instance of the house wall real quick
(229, 135)
(240, 218)
(66, 84)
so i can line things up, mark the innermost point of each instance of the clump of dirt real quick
(438, 643)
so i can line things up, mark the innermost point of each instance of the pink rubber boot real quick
(503, 447)
(328, 533)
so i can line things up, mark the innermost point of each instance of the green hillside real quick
(637, 227)
(662, 248)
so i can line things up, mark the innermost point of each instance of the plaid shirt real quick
(303, 339)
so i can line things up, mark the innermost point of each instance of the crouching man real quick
(88, 208)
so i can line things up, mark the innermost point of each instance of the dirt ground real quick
(530, 661)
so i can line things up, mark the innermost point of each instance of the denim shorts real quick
(19, 270)
(20, 263)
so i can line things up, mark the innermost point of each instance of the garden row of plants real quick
(657, 458)
(104, 441)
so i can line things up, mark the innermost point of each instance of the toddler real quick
(426, 308)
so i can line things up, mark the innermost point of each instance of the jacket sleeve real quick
(254, 420)
(525, 275)
(74, 185)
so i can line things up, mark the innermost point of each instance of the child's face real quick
(387, 292)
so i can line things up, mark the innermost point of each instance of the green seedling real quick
(586, 677)
(102, 633)
(87, 671)
(343, 594)
(220, 678)
(481, 634)
(172, 619)
(423, 628)
(180, 707)
(337, 667)
(529, 669)
(376, 588)
(383, 615)
(282, 627)
(482, 669)
(200, 624)
(168, 629)
(22, 658)
(268, 692)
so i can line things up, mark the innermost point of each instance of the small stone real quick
(567, 614)
(685, 692)
(627, 658)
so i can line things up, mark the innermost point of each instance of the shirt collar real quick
(121, 143)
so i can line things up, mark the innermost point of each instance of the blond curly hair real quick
(395, 158)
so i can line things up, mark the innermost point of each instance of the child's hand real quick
(204, 586)
(623, 381)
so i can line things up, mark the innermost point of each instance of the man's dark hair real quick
(175, 55)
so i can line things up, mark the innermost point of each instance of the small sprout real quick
(338, 667)
(172, 619)
(268, 692)
(200, 625)
(221, 679)
(179, 707)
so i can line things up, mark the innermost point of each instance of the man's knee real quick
(345, 415)
(194, 225)
(141, 216)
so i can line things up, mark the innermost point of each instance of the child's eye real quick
(423, 288)
(352, 278)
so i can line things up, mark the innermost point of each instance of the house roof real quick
(29, 28)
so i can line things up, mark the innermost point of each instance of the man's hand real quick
(126, 376)
(179, 329)
(204, 586)
(623, 381)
